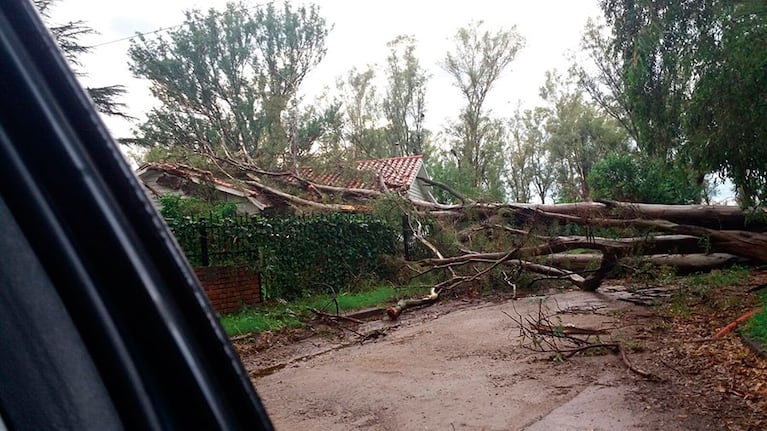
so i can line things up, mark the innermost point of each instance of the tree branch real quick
(464, 200)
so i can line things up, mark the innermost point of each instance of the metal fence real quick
(216, 240)
(295, 255)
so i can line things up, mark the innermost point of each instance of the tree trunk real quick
(709, 216)
(751, 245)
(619, 247)
(394, 311)
(689, 237)
(683, 263)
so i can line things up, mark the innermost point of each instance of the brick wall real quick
(229, 288)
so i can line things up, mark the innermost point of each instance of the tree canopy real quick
(672, 89)
(478, 59)
(404, 103)
(684, 78)
(228, 81)
(68, 37)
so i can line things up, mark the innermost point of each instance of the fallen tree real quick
(752, 245)
(490, 238)
(395, 310)
(711, 216)
(683, 263)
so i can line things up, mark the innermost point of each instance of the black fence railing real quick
(214, 240)
(295, 255)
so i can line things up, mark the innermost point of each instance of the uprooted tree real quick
(579, 243)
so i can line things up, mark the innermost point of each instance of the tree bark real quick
(684, 263)
(709, 216)
(751, 245)
(395, 310)
(620, 247)
(305, 202)
(464, 200)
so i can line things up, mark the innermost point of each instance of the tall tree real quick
(291, 43)
(362, 109)
(536, 134)
(648, 64)
(600, 74)
(476, 62)
(579, 136)
(520, 150)
(486, 178)
(68, 37)
(316, 128)
(404, 102)
(228, 81)
(726, 120)
(684, 78)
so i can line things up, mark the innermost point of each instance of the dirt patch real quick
(722, 381)
(459, 365)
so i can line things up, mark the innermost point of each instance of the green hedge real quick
(295, 255)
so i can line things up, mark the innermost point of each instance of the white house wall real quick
(418, 191)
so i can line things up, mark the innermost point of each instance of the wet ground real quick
(462, 365)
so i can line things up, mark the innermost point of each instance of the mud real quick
(459, 366)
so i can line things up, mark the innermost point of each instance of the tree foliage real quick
(684, 78)
(657, 42)
(362, 109)
(727, 115)
(226, 80)
(579, 135)
(634, 178)
(476, 62)
(530, 167)
(603, 82)
(522, 145)
(537, 135)
(68, 37)
(404, 103)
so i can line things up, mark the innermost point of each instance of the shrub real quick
(173, 206)
(296, 256)
(631, 178)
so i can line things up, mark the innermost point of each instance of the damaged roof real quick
(398, 173)
(162, 178)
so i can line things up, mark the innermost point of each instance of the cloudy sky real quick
(360, 32)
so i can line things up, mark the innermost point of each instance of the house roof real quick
(186, 172)
(201, 176)
(398, 173)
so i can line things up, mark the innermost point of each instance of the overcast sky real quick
(360, 32)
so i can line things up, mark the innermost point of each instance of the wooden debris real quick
(394, 311)
(334, 317)
(734, 324)
(567, 329)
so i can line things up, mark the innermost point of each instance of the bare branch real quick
(464, 200)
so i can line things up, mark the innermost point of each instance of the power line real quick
(136, 35)
(152, 32)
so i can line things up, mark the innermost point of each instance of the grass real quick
(718, 278)
(678, 308)
(702, 287)
(280, 315)
(756, 328)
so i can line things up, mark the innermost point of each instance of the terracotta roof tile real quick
(398, 173)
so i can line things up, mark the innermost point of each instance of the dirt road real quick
(458, 366)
